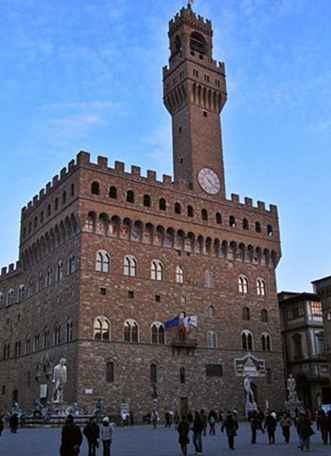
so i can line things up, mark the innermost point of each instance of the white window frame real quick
(130, 266)
(103, 261)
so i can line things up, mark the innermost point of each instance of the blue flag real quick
(172, 323)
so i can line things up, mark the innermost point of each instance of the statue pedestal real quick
(293, 406)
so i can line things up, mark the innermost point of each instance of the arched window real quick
(162, 204)
(190, 211)
(46, 340)
(101, 328)
(246, 314)
(266, 342)
(204, 215)
(109, 372)
(69, 331)
(260, 287)
(2, 299)
(57, 335)
(131, 331)
(270, 231)
(10, 297)
(71, 264)
(147, 201)
(211, 339)
(264, 316)
(232, 221)
(158, 333)
(182, 376)
(59, 271)
(245, 224)
(179, 275)
(157, 270)
(153, 373)
(247, 340)
(130, 196)
(219, 218)
(258, 227)
(64, 197)
(198, 43)
(130, 266)
(49, 277)
(178, 44)
(21, 293)
(178, 208)
(49, 210)
(102, 261)
(113, 192)
(95, 188)
(242, 285)
(56, 204)
(211, 311)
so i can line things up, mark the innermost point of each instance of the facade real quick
(304, 346)
(107, 256)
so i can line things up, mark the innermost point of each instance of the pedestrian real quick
(304, 431)
(176, 418)
(155, 418)
(197, 433)
(270, 425)
(167, 419)
(183, 430)
(212, 417)
(92, 434)
(1, 425)
(255, 425)
(286, 424)
(220, 416)
(190, 417)
(329, 426)
(106, 436)
(13, 423)
(230, 424)
(71, 438)
(204, 421)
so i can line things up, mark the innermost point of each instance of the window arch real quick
(102, 261)
(211, 339)
(270, 231)
(130, 266)
(219, 218)
(245, 224)
(113, 192)
(147, 201)
(69, 331)
(260, 287)
(131, 332)
(59, 271)
(211, 311)
(190, 211)
(95, 188)
(64, 197)
(101, 328)
(232, 221)
(178, 208)
(10, 296)
(198, 43)
(266, 342)
(204, 215)
(242, 285)
(247, 340)
(130, 196)
(179, 275)
(258, 227)
(246, 314)
(264, 316)
(71, 264)
(162, 204)
(158, 333)
(57, 334)
(157, 270)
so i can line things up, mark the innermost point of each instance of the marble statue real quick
(250, 403)
(291, 388)
(59, 380)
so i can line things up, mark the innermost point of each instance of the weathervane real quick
(190, 3)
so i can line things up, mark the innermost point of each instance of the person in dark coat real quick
(270, 425)
(198, 427)
(13, 423)
(329, 426)
(1, 425)
(92, 434)
(212, 419)
(183, 430)
(71, 438)
(322, 426)
(286, 424)
(230, 424)
(304, 430)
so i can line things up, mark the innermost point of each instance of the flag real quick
(172, 323)
(191, 322)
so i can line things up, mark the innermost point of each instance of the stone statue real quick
(291, 388)
(250, 404)
(59, 380)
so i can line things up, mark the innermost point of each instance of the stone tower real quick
(194, 94)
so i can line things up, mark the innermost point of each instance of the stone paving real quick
(144, 441)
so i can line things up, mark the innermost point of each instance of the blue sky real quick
(86, 75)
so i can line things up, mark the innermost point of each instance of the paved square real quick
(144, 441)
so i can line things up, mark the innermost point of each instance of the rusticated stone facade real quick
(107, 256)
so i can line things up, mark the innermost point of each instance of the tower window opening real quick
(205, 114)
(198, 43)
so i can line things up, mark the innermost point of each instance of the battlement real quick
(9, 271)
(188, 16)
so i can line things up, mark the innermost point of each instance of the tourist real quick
(1, 425)
(13, 423)
(190, 417)
(270, 425)
(197, 433)
(254, 420)
(304, 430)
(230, 424)
(220, 416)
(167, 420)
(155, 418)
(106, 435)
(322, 425)
(183, 430)
(204, 421)
(71, 438)
(212, 418)
(92, 434)
(286, 424)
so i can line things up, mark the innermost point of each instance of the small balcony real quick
(187, 344)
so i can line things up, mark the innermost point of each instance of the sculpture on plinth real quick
(59, 380)
(293, 404)
(250, 401)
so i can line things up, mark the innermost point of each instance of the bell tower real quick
(194, 90)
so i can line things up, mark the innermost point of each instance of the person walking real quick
(230, 425)
(286, 424)
(204, 421)
(13, 423)
(322, 426)
(155, 418)
(167, 420)
(212, 417)
(71, 438)
(183, 430)
(255, 425)
(92, 434)
(106, 436)
(197, 433)
(304, 431)
(1, 425)
(270, 425)
(329, 426)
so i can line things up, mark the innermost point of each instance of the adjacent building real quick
(304, 346)
(108, 255)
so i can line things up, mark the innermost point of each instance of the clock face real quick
(209, 181)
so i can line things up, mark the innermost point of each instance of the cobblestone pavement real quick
(144, 441)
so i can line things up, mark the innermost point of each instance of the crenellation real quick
(48, 187)
(63, 173)
(273, 209)
(102, 162)
(119, 167)
(71, 166)
(83, 158)
(41, 193)
(35, 200)
(10, 269)
(235, 199)
(29, 204)
(248, 202)
(151, 175)
(261, 206)
(136, 171)
(166, 180)
(55, 180)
